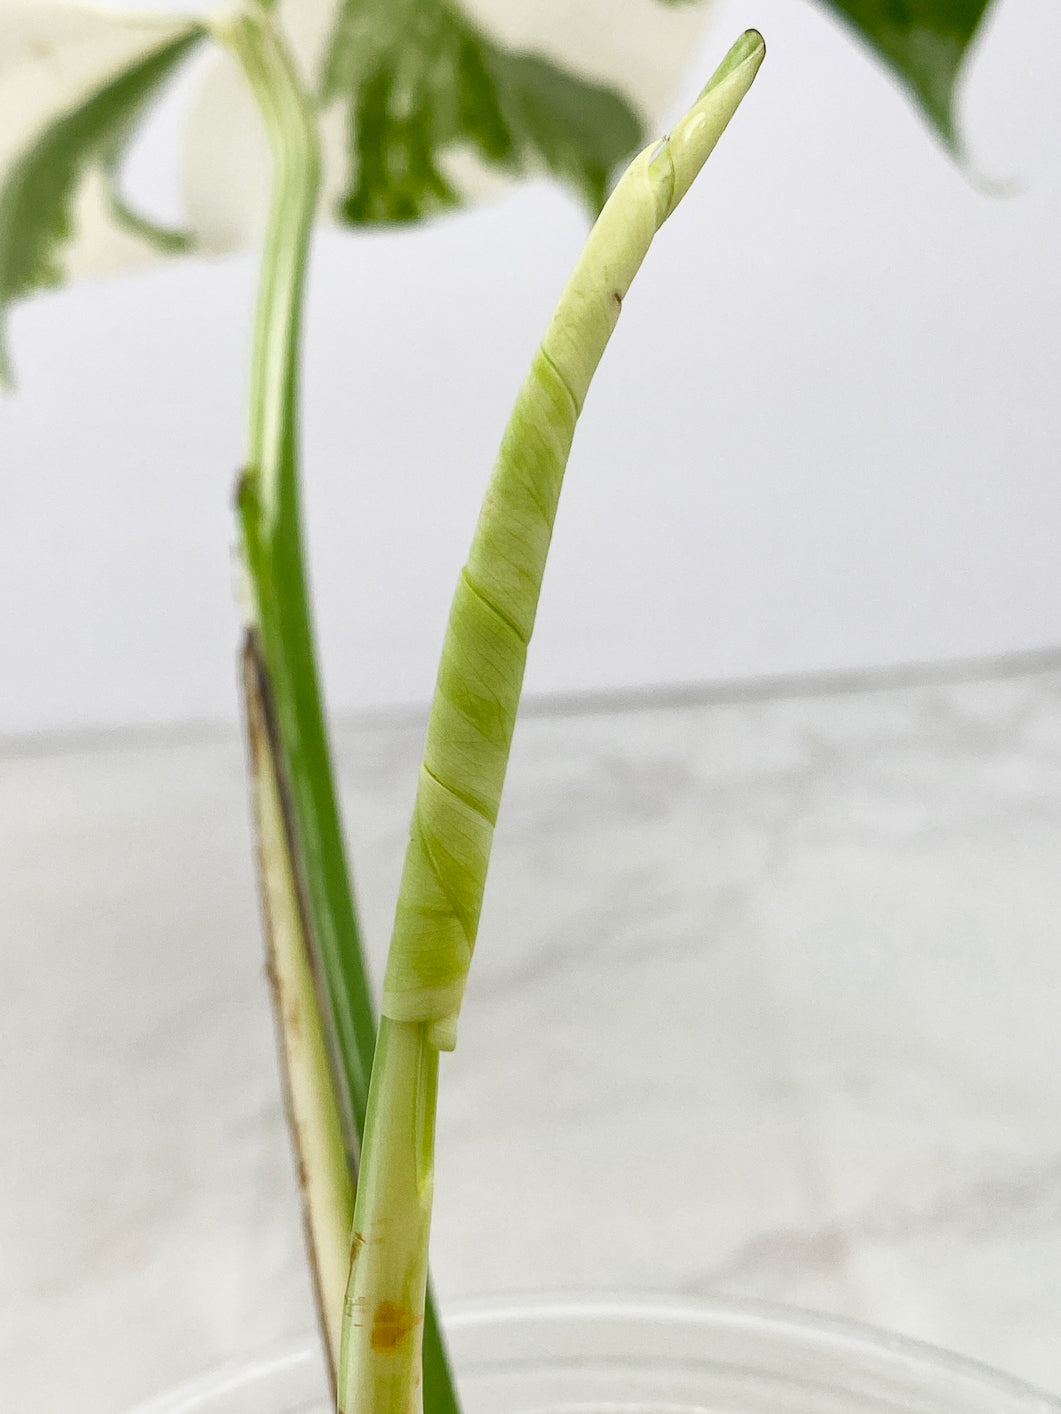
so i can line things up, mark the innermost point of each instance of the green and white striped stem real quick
(468, 738)
(325, 1019)
(274, 591)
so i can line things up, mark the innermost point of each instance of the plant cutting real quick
(361, 1101)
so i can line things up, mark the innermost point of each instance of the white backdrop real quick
(825, 435)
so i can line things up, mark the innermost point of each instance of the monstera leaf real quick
(418, 77)
(426, 104)
(423, 104)
(73, 84)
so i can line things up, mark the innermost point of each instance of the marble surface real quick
(766, 1002)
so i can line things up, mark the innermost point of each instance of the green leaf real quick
(578, 129)
(70, 109)
(420, 81)
(925, 43)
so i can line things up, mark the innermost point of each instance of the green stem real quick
(383, 1318)
(270, 518)
(281, 642)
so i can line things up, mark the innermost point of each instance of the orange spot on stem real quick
(390, 1325)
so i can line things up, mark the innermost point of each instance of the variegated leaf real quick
(626, 57)
(73, 83)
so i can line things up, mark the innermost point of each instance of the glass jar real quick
(613, 1356)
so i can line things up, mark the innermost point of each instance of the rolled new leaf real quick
(481, 673)
(468, 739)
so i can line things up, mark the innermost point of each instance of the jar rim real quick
(562, 1320)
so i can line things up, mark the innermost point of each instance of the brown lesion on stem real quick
(243, 488)
(392, 1322)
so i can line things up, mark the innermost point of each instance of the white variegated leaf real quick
(55, 59)
(73, 82)
(638, 47)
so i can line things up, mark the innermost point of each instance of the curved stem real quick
(270, 520)
(310, 911)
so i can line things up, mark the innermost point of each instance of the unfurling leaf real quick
(480, 675)
(73, 83)
(419, 79)
(468, 735)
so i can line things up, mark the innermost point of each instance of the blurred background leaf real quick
(418, 78)
(73, 86)
(925, 43)
(429, 104)
(425, 105)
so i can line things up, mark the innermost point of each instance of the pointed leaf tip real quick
(693, 137)
(749, 50)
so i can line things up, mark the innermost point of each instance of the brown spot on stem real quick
(244, 488)
(357, 1241)
(292, 1010)
(390, 1325)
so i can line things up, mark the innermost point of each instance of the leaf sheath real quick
(325, 1180)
